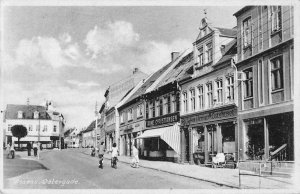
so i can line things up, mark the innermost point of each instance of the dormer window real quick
(20, 114)
(36, 115)
(208, 53)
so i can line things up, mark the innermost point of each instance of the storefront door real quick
(212, 141)
(187, 145)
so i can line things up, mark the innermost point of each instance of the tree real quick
(19, 131)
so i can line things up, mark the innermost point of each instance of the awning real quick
(171, 135)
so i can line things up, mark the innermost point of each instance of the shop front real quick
(162, 138)
(110, 136)
(128, 135)
(207, 133)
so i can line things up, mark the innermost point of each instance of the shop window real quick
(200, 97)
(247, 32)
(185, 105)
(255, 143)
(209, 95)
(277, 73)
(192, 100)
(276, 18)
(248, 83)
(228, 138)
(230, 88)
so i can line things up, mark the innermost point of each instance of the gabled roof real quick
(178, 71)
(150, 80)
(91, 126)
(28, 111)
(229, 52)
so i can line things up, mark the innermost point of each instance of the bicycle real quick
(114, 162)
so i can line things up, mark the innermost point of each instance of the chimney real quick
(174, 55)
(135, 70)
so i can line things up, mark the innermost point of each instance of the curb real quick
(220, 184)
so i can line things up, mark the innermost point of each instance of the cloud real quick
(109, 38)
(82, 84)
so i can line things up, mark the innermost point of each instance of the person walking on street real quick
(29, 148)
(39, 146)
(8, 150)
(12, 150)
(101, 151)
(114, 154)
(35, 146)
(135, 159)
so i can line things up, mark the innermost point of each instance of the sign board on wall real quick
(170, 118)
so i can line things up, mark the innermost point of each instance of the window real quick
(193, 103)
(201, 56)
(185, 107)
(230, 88)
(219, 85)
(45, 128)
(247, 31)
(36, 115)
(122, 117)
(20, 114)
(140, 110)
(153, 108)
(260, 22)
(174, 104)
(277, 73)
(209, 95)
(37, 127)
(260, 82)
(29, 127)
(147, 111)
(248, 83)
(276, 18)
(54, 128)
(208, 53)
(130, 114)
(160, 107)
(200, 97)
(169, 104)
(9, 127)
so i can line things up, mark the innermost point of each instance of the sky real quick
(71, 54)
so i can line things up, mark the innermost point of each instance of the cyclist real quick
(101, 151)
(114, 154)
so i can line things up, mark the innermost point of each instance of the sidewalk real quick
(220, 176)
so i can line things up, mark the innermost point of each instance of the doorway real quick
(187, 145)
(212, 141)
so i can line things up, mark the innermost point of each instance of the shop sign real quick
(170, 118)
(209, 116)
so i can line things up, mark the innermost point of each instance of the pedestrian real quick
(135, 159)
(8, 150)
(12, 150)
(114, 154)
(101, 151)
(29, 148)
(35, 146)
(39, 145)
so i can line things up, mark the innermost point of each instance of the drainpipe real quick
(237, 104)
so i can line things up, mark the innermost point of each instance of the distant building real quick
(43, 125)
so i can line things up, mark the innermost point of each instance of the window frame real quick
(209, 94)
(219, 90)
(184, 98)
(277, 69)
(248, 81)
(276, 16)
(193, 99)
(230, 88)
(247, 35)
(200, 97)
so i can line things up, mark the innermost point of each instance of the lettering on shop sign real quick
(174, 117)
(209, 116)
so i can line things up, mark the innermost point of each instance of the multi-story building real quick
(162, 132)
(42, 123)
(265, 50)
(208, 108)
(132, 116)
(113, 95)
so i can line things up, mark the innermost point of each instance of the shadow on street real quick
(18, 166)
